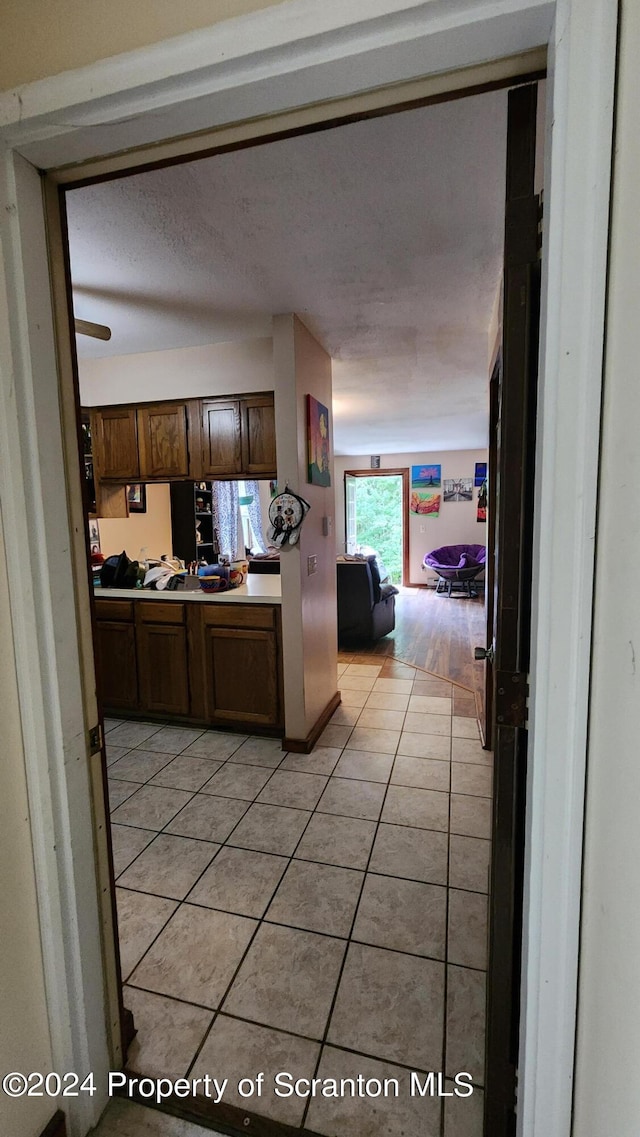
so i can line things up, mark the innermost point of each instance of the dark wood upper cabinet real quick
(198, 439)
(162, 438)
(114, 436)
(258, 435)
(221, 438)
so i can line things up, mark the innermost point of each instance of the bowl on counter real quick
(213, 583)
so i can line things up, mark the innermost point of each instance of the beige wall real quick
(24, 1028)
(186, 372)
(150, 530)
(457, 522)
(41, 38)
(309, 605)
(607, 1088)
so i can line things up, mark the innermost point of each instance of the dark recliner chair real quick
(366, 609)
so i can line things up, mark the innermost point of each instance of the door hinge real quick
(94, 740)
(512, 688)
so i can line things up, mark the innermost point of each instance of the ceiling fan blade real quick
(96, 331)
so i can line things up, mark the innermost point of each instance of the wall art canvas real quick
(426, 477)
(426, 504)
(481, 473)
(318, 443)
(482, 503)
(458, 489)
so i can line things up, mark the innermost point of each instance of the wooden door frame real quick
(337, 50)
(403, 471)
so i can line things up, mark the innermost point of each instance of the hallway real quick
(345, 892)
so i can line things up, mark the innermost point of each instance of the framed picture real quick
(318, 443)
(426, 504)
(481, 473)
(137, 497)
(458, 489)
(426, 477)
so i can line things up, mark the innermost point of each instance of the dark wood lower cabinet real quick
(202, 662)
(241, 673)
(117, 664)
(163, 668)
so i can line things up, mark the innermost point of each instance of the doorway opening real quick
(376, 508)
(400, 747)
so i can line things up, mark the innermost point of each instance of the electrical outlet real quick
(312, 565)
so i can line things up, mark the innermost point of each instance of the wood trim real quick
(306, 745)
(404, 472)
(194, 439)
(57, 1127)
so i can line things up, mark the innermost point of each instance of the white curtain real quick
(227, 520)
(255, 515)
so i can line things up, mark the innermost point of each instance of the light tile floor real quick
(324, 914)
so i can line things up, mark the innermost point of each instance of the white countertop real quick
(259, 589)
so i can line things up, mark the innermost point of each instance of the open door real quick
(350, 513)
(513, 441)
(486, 717)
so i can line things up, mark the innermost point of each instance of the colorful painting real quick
(426, 504)
(481, 473)
(482, 503)
(458, 489)
(318, 443)
(426, 477)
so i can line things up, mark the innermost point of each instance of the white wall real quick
(24, 1026)
(309, 604)
(181, 373)
(34, 46)
(607, 1090)
(456, 525)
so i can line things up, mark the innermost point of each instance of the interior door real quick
(486, 721)
(351, 530)
(513, 503)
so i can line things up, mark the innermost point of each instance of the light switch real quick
(312, 565)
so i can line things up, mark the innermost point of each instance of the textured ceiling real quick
(385, 236)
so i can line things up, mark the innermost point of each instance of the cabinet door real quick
(221, 438)
(163, 668)
(162, 434)
(115, 443)
(241, 670)
(117, 668)
(258, 435)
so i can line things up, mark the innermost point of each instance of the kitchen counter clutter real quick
(256, 590)
(212, 659)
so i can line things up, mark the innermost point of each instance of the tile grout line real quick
(324, 1041)
(290, 859)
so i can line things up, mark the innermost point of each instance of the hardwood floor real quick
(437, 633)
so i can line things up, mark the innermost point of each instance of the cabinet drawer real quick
(114, 609)
(152, 612)
(238, 616)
